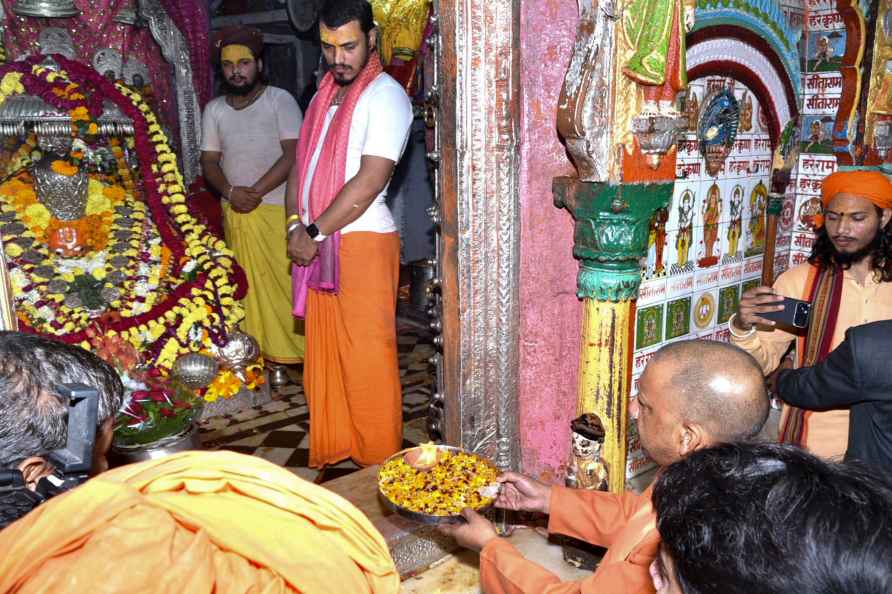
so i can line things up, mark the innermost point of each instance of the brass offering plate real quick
(431, 490)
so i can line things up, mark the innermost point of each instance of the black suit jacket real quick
(856, 375)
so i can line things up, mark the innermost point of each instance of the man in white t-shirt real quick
(249, 136)
(344, 243)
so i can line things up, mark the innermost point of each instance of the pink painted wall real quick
(550, 312)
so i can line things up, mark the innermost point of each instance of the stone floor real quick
(460, 573)
(277, 430)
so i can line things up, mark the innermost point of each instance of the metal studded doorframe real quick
(479, 241)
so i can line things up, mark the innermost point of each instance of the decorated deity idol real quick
(655, 30)
(96, 247)
(587, 469)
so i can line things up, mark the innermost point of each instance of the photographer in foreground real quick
(35, 415)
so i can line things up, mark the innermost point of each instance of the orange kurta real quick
(626, 524)
(351, 372)
(196, 522)
(828, 432)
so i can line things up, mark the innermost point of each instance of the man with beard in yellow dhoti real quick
(248, 140)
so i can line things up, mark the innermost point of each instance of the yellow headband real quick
(235, 52)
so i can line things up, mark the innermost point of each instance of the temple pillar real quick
(610, 238)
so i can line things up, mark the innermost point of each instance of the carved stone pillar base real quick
(610, 238)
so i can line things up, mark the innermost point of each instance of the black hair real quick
(824, 253)
(774, 519)
(337, 13)
(33, 418)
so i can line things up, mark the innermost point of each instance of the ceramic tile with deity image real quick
(681, 229)
(678, 318)
(733, 215)
(754, 229)
(684, 200)
(749, 284)
(649, 326)
(655, 262)
(704, 308)
(709, 246)
(825, 43)
(729, 299)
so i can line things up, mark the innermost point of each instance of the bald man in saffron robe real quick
(693, 394)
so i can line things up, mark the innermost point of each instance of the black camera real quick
(72, 463)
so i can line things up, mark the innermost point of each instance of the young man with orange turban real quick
(248, 139)
(196, 522)
(343, 242)
(847, 279)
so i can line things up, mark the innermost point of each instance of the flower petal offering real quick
(433, 483)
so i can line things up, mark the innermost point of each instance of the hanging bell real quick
(46, 8)
(129, 15)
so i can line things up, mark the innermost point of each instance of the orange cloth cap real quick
(870, 185)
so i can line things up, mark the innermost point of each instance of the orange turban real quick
(196, 522)
(870, 185)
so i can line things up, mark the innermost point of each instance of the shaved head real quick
(715, 385)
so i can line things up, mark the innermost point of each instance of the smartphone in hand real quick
(796, 313)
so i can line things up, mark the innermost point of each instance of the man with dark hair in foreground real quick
(34, 417)
(694, 394)
(771, 519)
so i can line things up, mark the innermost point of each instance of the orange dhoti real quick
(351, 372)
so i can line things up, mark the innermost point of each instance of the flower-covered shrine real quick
(101, 247)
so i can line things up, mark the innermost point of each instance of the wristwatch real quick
(312, 230)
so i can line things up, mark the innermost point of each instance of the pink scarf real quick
(323, 273)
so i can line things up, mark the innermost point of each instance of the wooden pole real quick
(786, 154)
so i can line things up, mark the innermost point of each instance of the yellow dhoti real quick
(351, 373)
(258, 240)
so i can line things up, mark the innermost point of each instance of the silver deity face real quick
(584, 447)
(58, 145)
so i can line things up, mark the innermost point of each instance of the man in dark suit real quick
(857, 374)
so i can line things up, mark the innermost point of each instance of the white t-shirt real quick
(380, 128)
(250, 138)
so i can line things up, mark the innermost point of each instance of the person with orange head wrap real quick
(196, 523)
(848, 281)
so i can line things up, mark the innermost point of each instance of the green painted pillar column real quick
(609, 240)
